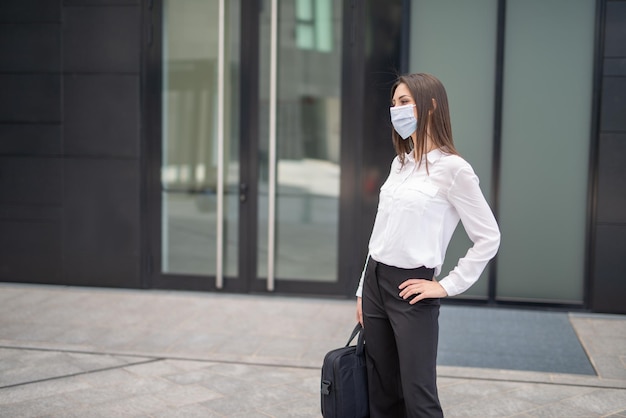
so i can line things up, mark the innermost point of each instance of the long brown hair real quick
(424, 88)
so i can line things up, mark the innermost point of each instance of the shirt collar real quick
(432, 157)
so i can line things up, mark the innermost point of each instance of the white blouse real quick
(419, 211)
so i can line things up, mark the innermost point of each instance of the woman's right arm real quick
(359, 290)
(359, 294)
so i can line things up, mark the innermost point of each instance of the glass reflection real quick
(189, 166)
(308, 140)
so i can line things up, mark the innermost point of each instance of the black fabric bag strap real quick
(358, 329)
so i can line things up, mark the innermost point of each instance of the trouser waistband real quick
(398, 272)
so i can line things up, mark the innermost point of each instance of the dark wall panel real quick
(108, 270)
(26, 139)
(33, 47)
(21, 213)
(30, 98)
(615, 67)
(615, 35)
(102, 115)
(101, 222)
(14, 11)
(612, 115)
(102, 39)
(31, 181)
(100, 2)
(612, 179)
(30, 251)
(610, 286)
(69, 141)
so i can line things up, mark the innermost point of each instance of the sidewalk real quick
(89, 352)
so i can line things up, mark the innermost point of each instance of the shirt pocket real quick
(416, 198)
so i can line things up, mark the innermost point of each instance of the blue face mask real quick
(403, 120)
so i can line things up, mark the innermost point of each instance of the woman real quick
(429, 189)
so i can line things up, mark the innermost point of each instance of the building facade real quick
(239, 145)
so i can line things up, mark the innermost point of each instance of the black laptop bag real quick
(344, 380)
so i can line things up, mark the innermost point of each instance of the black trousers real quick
(400, 345)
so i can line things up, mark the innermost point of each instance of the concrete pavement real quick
(90, 352)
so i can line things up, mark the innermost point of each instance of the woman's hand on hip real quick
(359, 310)
(419, 289)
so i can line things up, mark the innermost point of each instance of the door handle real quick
(243, 192)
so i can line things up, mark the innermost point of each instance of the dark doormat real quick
(510, 339)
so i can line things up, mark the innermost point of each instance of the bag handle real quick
(358, 329)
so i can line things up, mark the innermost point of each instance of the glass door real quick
(250, 202)
(200, 145)
(299, 144)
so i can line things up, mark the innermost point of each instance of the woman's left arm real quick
(481, 227)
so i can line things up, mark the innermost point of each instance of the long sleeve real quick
(359, 290)
(481, 227)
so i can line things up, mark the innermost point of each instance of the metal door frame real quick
(247, 280)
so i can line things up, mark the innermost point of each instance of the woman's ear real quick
(431, 110)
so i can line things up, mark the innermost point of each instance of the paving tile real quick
(610, 367)
(250, 414)
(583, 326)
(230, 386)
(199, 344)
(542, 394)
(96, 335)
(472, 390)
(87, 362)
(443, 381)
(121, 408)
(256, 400)
(236, 346)
(155, 368)
(19, 410)
(492, 406)
(600, 401)
(234, 380)
(317, 348)
(272, 376)
(127, 383)
(92, 396)
(24, 366)
(298, 408)
(308, 382)
(284, 348)
(236, 370)
(40, 390)
(561, 410)
(262, 375)
(609, 327)
(606, 346)
(593, 404)
(27, 332)
(157, 340)
(41, 406)
(187, 411)
(493, 374)
(176, 396)
(188, 365)
(567, 379)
